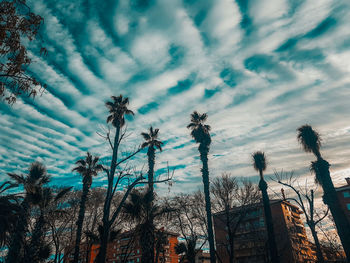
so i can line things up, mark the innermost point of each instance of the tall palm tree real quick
(142, 209)
(32, 184)
(87, 168)
(311, 142)
(259, 163)
(152, 142)
(118, 109)
(38, 250)
(200, 133)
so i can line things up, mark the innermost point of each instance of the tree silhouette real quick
(38, 250)
(142, 209)
(188, 249)
(32, 184)
(232, 201)
(87, 168)
(18, 25)
(118, 109)
(9, 210)
(306, 201)
(311, 142)
(152, 142)
(259, 163)
(200, 133)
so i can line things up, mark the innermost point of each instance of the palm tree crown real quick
(118, 108)
(33, 181)
(151, 139)
(259, 161)
(200, 131)
(88, 168)
(309, 139)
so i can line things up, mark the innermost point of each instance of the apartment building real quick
(126, 249)
(344, 197)
(251, 235)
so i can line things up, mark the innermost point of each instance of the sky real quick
(260, 69)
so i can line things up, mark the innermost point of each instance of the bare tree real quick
(18, 25)
(330, 243)
(305, 199)
(189, 220)
(119, 174)
(232, 199)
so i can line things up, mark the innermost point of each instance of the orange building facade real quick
(251, 235)
(344, 197)
(126, 249)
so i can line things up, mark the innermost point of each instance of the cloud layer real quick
(259, 69)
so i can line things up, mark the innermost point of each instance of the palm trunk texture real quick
(330, 198)
(269, 221)
(203, 150)
(80, 222)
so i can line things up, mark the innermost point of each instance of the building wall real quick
(127, 249)
(251, 235)
(344, 198)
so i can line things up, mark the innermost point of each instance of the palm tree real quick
(259, 163)
(117, 108)
(87, 168)
(200, 133)
(142, 209)
(32, 184)
(38, 250)
(311, 142)
(152, 142)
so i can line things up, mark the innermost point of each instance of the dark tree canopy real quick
(259, 161)
(18, 26)
(309, 139)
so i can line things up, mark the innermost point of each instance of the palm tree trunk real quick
(330, 198)
(269, 221)
(147, 238)
(320, 258)
(80, 222)
(151, 161)
(16, 246)
(203, 150)
(109, 196)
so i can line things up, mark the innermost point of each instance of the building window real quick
(138, 260)
(346, 194)
(348, 206)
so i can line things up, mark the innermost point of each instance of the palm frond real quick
(259, 161)
(146, 136)
(62, 193)
(309, 139)
(20, 179)
(37, 170)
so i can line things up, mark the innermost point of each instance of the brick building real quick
(344, 197)
(126, 249)
(251, 235)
